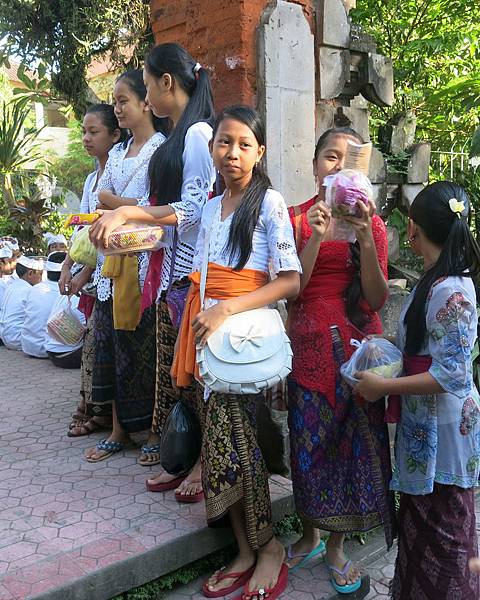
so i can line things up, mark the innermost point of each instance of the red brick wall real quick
(220, 34)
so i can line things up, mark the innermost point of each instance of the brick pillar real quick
(221, 35)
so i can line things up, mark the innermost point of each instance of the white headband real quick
(36, 263)
(197, 68)
(5, 251)
(10, 242)
(52, 266)
(51, 238)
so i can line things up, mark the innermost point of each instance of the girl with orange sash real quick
(339, 448)
(248, 231)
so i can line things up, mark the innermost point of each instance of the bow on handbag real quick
(240, 340)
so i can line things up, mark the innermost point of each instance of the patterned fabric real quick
(436, 539)
(438, 437)
(124, 369)
(165, 396)
(322, 305)
(233, 468)
(86, 367)
(340, 458)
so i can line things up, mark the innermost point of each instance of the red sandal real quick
(240, 579)
(267, 593)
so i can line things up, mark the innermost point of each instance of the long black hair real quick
(107, 116)
(245, 218)
(353, 293)
(460, 254)
(134, 80)
(166, 165)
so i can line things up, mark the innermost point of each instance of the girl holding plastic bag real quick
(339, 449)
(124, 368)
(182, 175)
(100, 132)
(437, 446)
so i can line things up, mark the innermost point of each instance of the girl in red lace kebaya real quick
(340, 447)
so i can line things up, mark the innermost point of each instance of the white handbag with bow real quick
(248, 353)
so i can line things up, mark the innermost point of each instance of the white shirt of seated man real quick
(61, 303)
(12, 313)
(40, 301)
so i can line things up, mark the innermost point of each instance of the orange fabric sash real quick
(222, 283)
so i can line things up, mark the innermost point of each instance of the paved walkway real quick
(70, 530)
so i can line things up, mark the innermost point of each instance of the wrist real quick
(226, 307)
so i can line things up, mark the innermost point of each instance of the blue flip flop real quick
(307, 556)
(110, 448)
(347, 588)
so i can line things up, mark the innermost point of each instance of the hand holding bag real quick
(248, 353)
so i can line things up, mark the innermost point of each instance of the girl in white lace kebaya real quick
(181, 174)
(124, 373)
(249, 234)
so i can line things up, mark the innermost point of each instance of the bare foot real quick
(152, 454)
(474, 565)
(301, 549)
(95, 454)
(269, 562)
(238, 565)
(163, 477)
(192, 484)
(336, 558)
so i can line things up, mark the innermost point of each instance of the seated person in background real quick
(55, 243)
(40, 300)
(63, 355)
(29, 270)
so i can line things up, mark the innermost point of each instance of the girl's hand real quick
(318, 216)
(208, 321)
(80, 279)
(64, 281)
(109, 221)
(363, 224)
(107, 199)
(370, 386)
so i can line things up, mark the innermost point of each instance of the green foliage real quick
(68, 34)
(434, 46)
(72, 169)
(19, 146)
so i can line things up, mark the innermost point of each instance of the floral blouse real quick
(438, 437)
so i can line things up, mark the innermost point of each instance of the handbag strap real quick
(172, 260)
(203, 273)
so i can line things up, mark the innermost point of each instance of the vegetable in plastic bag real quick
(342, 192)
(82, 250)
(376, 355)
(181, 440)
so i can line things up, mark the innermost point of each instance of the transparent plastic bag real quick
(82, 250)
(342, 192)
(376, 355)
(135, 238)
(181, 440)
(66, 327)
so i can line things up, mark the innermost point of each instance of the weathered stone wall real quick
(220, 34)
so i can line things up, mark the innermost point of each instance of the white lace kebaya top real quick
(126, 177)
(273, 244)
(198, 180)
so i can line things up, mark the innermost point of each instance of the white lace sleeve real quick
(198, 177)
(281, 243)
(106, 180)
(199, 250)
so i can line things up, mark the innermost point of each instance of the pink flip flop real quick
(190, 498)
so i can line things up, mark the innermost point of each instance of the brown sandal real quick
(87, 427)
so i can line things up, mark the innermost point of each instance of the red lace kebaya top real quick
(322, 305)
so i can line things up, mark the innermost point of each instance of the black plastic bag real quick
(181, 440)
